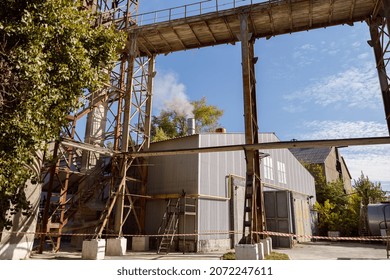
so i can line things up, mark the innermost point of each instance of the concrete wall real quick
(19, 246)
(346, 176)
(331, 172)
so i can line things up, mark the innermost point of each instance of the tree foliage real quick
(170, 123)
(49, 55)
(342, 212)
(368, 192)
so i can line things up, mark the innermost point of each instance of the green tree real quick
(368, 192)
(170, 123)
(49, 56)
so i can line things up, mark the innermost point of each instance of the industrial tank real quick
(378, 216)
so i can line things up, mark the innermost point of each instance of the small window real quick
(268, 170)
(281, 172)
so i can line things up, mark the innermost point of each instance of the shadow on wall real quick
(15, 246)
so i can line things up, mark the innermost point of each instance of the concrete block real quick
(269, 239)
(265, 243)
(116, 247)
(140, 243)
(247, 251)
(93, 249)
(260, 251)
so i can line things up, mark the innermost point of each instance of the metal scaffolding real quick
(117, 118)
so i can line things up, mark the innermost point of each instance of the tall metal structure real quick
(380, 42)
(254, 216)
(117, 118)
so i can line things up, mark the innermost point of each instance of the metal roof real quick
(311, 155)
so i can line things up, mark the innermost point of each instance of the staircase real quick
(63, 208)
(169, 226)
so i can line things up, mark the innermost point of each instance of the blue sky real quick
(320, 84)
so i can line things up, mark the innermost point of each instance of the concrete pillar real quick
(269, 239)
(140, 243)
(93, 249)
(116, 247)
(249, 251)
(266, 247)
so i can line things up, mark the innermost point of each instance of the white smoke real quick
(170, 94)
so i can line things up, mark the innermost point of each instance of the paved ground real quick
(303, 251)
(336, 251)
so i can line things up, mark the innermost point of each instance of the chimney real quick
(220, 130)
(191, 126)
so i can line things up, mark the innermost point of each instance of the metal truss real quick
(116, 117)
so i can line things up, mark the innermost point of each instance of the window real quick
(268, 171)
(282, 172)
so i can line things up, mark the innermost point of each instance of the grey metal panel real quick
(302, 217)
(172, 174)
(378, 216)
(297, 177)
(214, 167)
(205, 174)
(155, 210)
(279, 218)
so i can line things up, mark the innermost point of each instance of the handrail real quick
(193, 9)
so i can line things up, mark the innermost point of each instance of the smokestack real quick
(191, 126)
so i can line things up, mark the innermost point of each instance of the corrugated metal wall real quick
(170, 175)
(206, 175)
(213, 169)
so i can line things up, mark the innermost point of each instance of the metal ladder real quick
(169, 226)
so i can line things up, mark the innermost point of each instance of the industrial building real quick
(332, 163)
(120, 114)
(215, 182)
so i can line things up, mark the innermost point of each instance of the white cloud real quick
(373, 161)
(293, 108)
(355, 87)
(343, 129)
(169, 93)
(356, 44)
(363, 55)
(303, 54)
(308, 47)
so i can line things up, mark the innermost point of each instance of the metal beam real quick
(342, 143)
(253, 208)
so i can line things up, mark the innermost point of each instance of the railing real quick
(194, 9)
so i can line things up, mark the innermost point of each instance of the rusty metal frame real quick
(254, 215)
(380, 42)
(127, 103)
